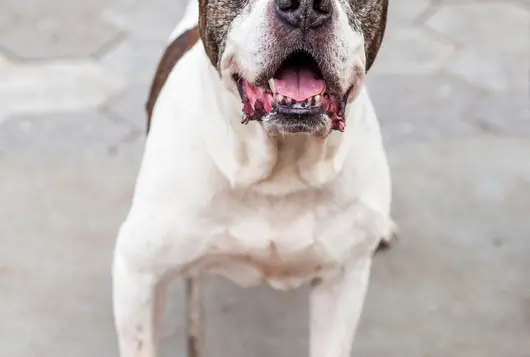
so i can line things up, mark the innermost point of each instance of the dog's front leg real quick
(138, 297)
(336, 306)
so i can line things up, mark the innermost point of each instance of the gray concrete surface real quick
(451, 86)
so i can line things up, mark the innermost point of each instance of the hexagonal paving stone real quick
(495, 27)
(130, 105)
(60, 36)
(147, 19)
(62, 133)
(135, 58)
(411, 50)
(489, 72)
(422, 107)
(502, 114)
(57, 86)
(494, 59)
(46, 29)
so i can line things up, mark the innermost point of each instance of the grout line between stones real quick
(109, 45)
(116, 148)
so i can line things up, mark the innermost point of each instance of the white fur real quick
(217, 196)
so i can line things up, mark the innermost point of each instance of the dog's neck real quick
(250, 158)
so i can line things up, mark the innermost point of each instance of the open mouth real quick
(296, 90)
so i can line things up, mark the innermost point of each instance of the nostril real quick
(288, 5)
(322, 6)
(290, 11)
(320, 13)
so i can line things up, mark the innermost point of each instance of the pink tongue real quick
(298, 83)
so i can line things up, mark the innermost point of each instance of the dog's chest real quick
(285, 241)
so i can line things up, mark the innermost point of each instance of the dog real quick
(264, 162)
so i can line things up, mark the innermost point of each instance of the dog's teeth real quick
(323, 91)
(288, 101)
(317, 99)
(280, 98)
(271, 85)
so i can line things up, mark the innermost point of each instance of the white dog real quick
(264, 162)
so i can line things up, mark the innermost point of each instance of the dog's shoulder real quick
(173, 53)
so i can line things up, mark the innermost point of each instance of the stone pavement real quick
(451, 86)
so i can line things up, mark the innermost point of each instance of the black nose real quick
(305, 14)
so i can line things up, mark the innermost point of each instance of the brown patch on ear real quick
(215, 18)
(208, 40)
(374, 32)
(172, 55)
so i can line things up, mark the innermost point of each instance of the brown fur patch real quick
(172, 55)
(215, 18)
(370, 16)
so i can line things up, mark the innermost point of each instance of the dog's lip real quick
(259, 101)
(239, 84)
(239, 81)
(310, 110)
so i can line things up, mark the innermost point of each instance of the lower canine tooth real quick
(317, 99)
(279, 98)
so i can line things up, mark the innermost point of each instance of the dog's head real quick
(295, 63)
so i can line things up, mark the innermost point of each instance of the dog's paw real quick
(388, 239)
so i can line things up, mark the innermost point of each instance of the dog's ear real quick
(373, 27)
(215, 18)
(207, 36)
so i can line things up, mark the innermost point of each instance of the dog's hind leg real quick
(336, 306)
(194, 316)
(388, 239)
